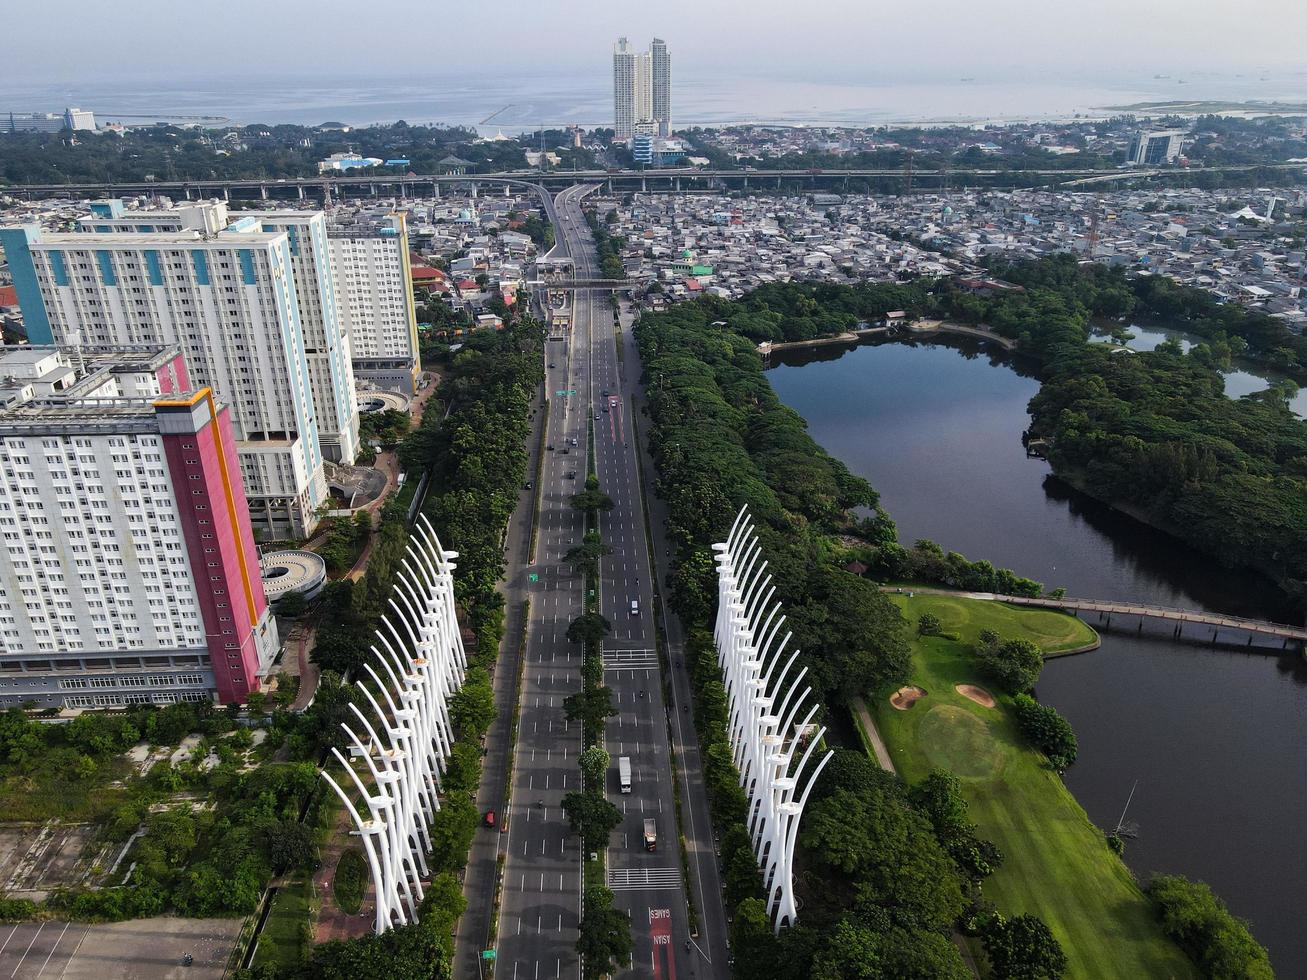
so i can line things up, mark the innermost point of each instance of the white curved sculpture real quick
(762, 706)
(408, 734)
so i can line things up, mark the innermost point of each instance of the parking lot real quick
(38, 858)
(145, 949)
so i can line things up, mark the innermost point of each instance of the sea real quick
(518, 103)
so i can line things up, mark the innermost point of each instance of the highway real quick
(542, 873)
(541, 903)
(408, 185)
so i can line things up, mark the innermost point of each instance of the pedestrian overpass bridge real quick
(1109, 608)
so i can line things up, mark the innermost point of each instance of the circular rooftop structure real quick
(284, 572)
(376, 400)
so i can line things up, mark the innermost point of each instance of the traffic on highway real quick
(543, 862)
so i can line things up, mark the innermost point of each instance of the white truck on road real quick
(624, 772)
(650, 835)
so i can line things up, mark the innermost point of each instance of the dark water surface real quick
(1215, 736)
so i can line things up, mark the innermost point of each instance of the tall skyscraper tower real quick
(661, 69)
(642, 90)
(624, 84)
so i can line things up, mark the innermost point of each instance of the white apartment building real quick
(229, 301)
(128, 570)
(326, 340)
(326, 333)
(642, 90)
(374, 294)
(625, 71)
(660, 66)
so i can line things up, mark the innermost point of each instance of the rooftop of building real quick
(110, 357)
(89, 415)
(71, 388)
(227, 238)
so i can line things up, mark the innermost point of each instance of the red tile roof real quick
(8, 295)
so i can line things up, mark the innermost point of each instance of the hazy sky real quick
(76, 40)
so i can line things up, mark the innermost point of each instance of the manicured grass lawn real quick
(283, 938)
(406, 492)
(350, 880)
(1056, 863)
(1054, 632)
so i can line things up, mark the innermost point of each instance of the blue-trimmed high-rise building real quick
(243, 303)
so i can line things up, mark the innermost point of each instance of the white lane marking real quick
(52, 949)
(9, 937)
(28, 950)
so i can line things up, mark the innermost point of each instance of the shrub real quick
(1046, 730)
(350, 880)
(928, 625)
(16, 909)
(1201, 924)
(1013, 665)
(1023, 947)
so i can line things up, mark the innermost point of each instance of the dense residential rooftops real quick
(1237, 244)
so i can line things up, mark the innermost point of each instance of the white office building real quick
(374, 294)
(228, 299)
(128, 569)
(50, 122)
(1155, 148)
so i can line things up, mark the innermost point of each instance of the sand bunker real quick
(905, 697)
(977, 694)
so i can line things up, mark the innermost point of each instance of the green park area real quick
(1056, 863)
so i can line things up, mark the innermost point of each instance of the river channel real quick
(1214, 737)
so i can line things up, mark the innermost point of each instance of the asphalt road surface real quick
(542, 872)
(142, 949)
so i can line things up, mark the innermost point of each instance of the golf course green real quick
(1056, 863)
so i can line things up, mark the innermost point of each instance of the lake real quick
(1243, 378)
(1215, 737)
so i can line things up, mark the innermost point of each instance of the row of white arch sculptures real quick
(762, 710)
(404, 744)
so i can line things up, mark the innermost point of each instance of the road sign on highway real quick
(562, 393)
(488, 954)
(532, 577)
